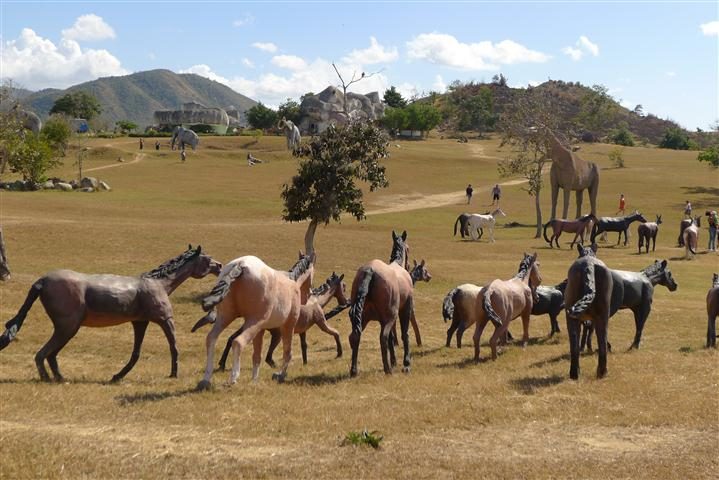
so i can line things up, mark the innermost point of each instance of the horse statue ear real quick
(199, 249)
(534, 257)
(594, 247)
(580, 248)
(414, 263)
(664, 263)
(341, 277)
(421, 264)
(189, 246)
(300, 255)
(404, 235)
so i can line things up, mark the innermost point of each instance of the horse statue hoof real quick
(353, 372)
(203, 385)
(405, 369)
(279, 377)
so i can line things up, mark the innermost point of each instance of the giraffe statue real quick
(570, 172)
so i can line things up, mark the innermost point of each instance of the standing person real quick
(713, 223)
(157, 144)
(688, 210)
(622, 204)
(496, 193)
(183, 155)
(142, 143)
(469, 193)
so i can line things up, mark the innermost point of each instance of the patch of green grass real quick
(364, 437)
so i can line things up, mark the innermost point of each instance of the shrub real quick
(622, 136)
(710, 155)
(616, 157)
(32, 159)
(676, 139)
(372, 439)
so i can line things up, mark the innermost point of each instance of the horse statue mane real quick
(525, 265)
(654, 269)
(399, 249)
(301, 266)
(174, 264)
(715, 280)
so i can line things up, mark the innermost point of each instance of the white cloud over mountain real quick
(710, 29)
(582, 46)
(375, 53)
(89, 27)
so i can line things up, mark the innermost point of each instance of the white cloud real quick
(265, 47)
(36, 62)
(205, 71)
(290, 62)
(376, 53)
(583, 46)
(89, 27)
(671, 73)
(245, 20)
(248, 63)
(407, 90)
(443, 49)
(710, 28)
(439, 85)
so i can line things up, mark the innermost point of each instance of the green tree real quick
(126, 126)
(675, 138)
(710, 155)
(32, 158)
(57, 132)
(290, 110)
(597, 109)
(393, 98)
(77, 105)
(480, 110)
(331, 165)
(261, 117)
(394, 119)
(622, 136)
(422, 116)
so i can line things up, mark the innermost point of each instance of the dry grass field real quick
(656, 414)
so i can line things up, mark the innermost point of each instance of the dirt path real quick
(138, 157)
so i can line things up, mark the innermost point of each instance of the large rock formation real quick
(325, 108)
(193, 113)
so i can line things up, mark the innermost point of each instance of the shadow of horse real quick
(530, 385)
(464, 363)
(131, 399)
(550, 361)
(318, 380)
(429, 351)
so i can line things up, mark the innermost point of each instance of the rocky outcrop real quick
(327, 107)
(194, 114)
(87, 184)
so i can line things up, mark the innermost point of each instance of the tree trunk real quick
(310, 237)
(538, 209)
(4, 267)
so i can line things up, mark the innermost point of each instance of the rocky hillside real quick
(135, 97)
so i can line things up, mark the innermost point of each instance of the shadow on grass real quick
(317, 380)
(192, 299)
(424, 353)
(530, 385)
(467, 362)
(126, 400)
(543, 363)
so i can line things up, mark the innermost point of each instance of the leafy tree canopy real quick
(262, 117)
(290, 110)
(393, 98)
(77, 105)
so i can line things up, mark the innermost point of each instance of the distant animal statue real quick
(690, 235)
(550, 301)
(73, 300)
(648, 231)
(418, 272)
(28, 120)
(311, 313)
(501, 301)
(587, 297)
(477, 221)
(683, 225)
(571, 173)
(712, 312)
(383, 292)
(183, 136)
(462, 222)
(292, 133)
(634, 291)
(616, 224)
(266, 298)
(579, 227)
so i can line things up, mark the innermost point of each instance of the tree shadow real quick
(131, 399)
(530, 385)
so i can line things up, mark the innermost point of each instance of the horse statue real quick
(571, 173)
(266, 298)
(73, 300)
(383, 292)
(712, 312)
(690, 235)
(459, 305)
(686, 222)
(418, 272)
(648, 231)
(291, 132)
(501, 301)
(311, 313)
(550, 301)
(587, 297)
(616, 224)
(184, 136)
(634, 291)
(462, 222)
(579, 227)
(477, 221)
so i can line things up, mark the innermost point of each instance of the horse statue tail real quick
(358, 305)
(220, 290)
(13, 326)
(562, 286)
(448, 305)
(589, 293)
(488, 309)
(689, 240)
(595, 232)
(545, 233)
(337, 310)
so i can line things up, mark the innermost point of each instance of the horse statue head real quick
(590, 251)
(660, 273)
(529, 268)
(420, 272)
(400, 249)
(498, 213)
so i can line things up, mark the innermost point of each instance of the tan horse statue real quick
(571, 173)
(266, 298)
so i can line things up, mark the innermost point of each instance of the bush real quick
(32, 159)
(622, 136)
(202, 128)
(616, 157)
(372, 439)
(710, 155)
(57, 132)
(676, 139)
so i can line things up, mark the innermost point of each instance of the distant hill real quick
(135, 97)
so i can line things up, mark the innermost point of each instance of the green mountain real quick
(135, 97)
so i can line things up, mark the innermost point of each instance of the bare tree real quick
(354, 79)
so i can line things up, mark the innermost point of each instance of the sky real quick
(662, 55)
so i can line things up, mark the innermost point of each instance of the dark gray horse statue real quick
(616, 224)
(184, 136)
(550, 301)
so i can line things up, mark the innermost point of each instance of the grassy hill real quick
(135, 97)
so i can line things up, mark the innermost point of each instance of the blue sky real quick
(663, 55)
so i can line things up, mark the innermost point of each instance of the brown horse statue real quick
(501, 301)
(266, 298)
(383, 292)
(712, 312)
(648, 231)
(73, 300)
(587, 297)
(579, 227)
(311, 313)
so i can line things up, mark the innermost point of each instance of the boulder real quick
(327, 107)
(86, 189)
(49, 185)
(104, 186)
(65, 187)
(89, 182)
(74, 184)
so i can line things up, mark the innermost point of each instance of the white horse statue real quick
(291, 132)
(477, 221)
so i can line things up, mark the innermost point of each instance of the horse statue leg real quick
(565, 208)
(139, 327)
(573, 327)
(287, 331)
(168, 328)
(404, 320)
(579, 196)
(60, 337)
(555, 193)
